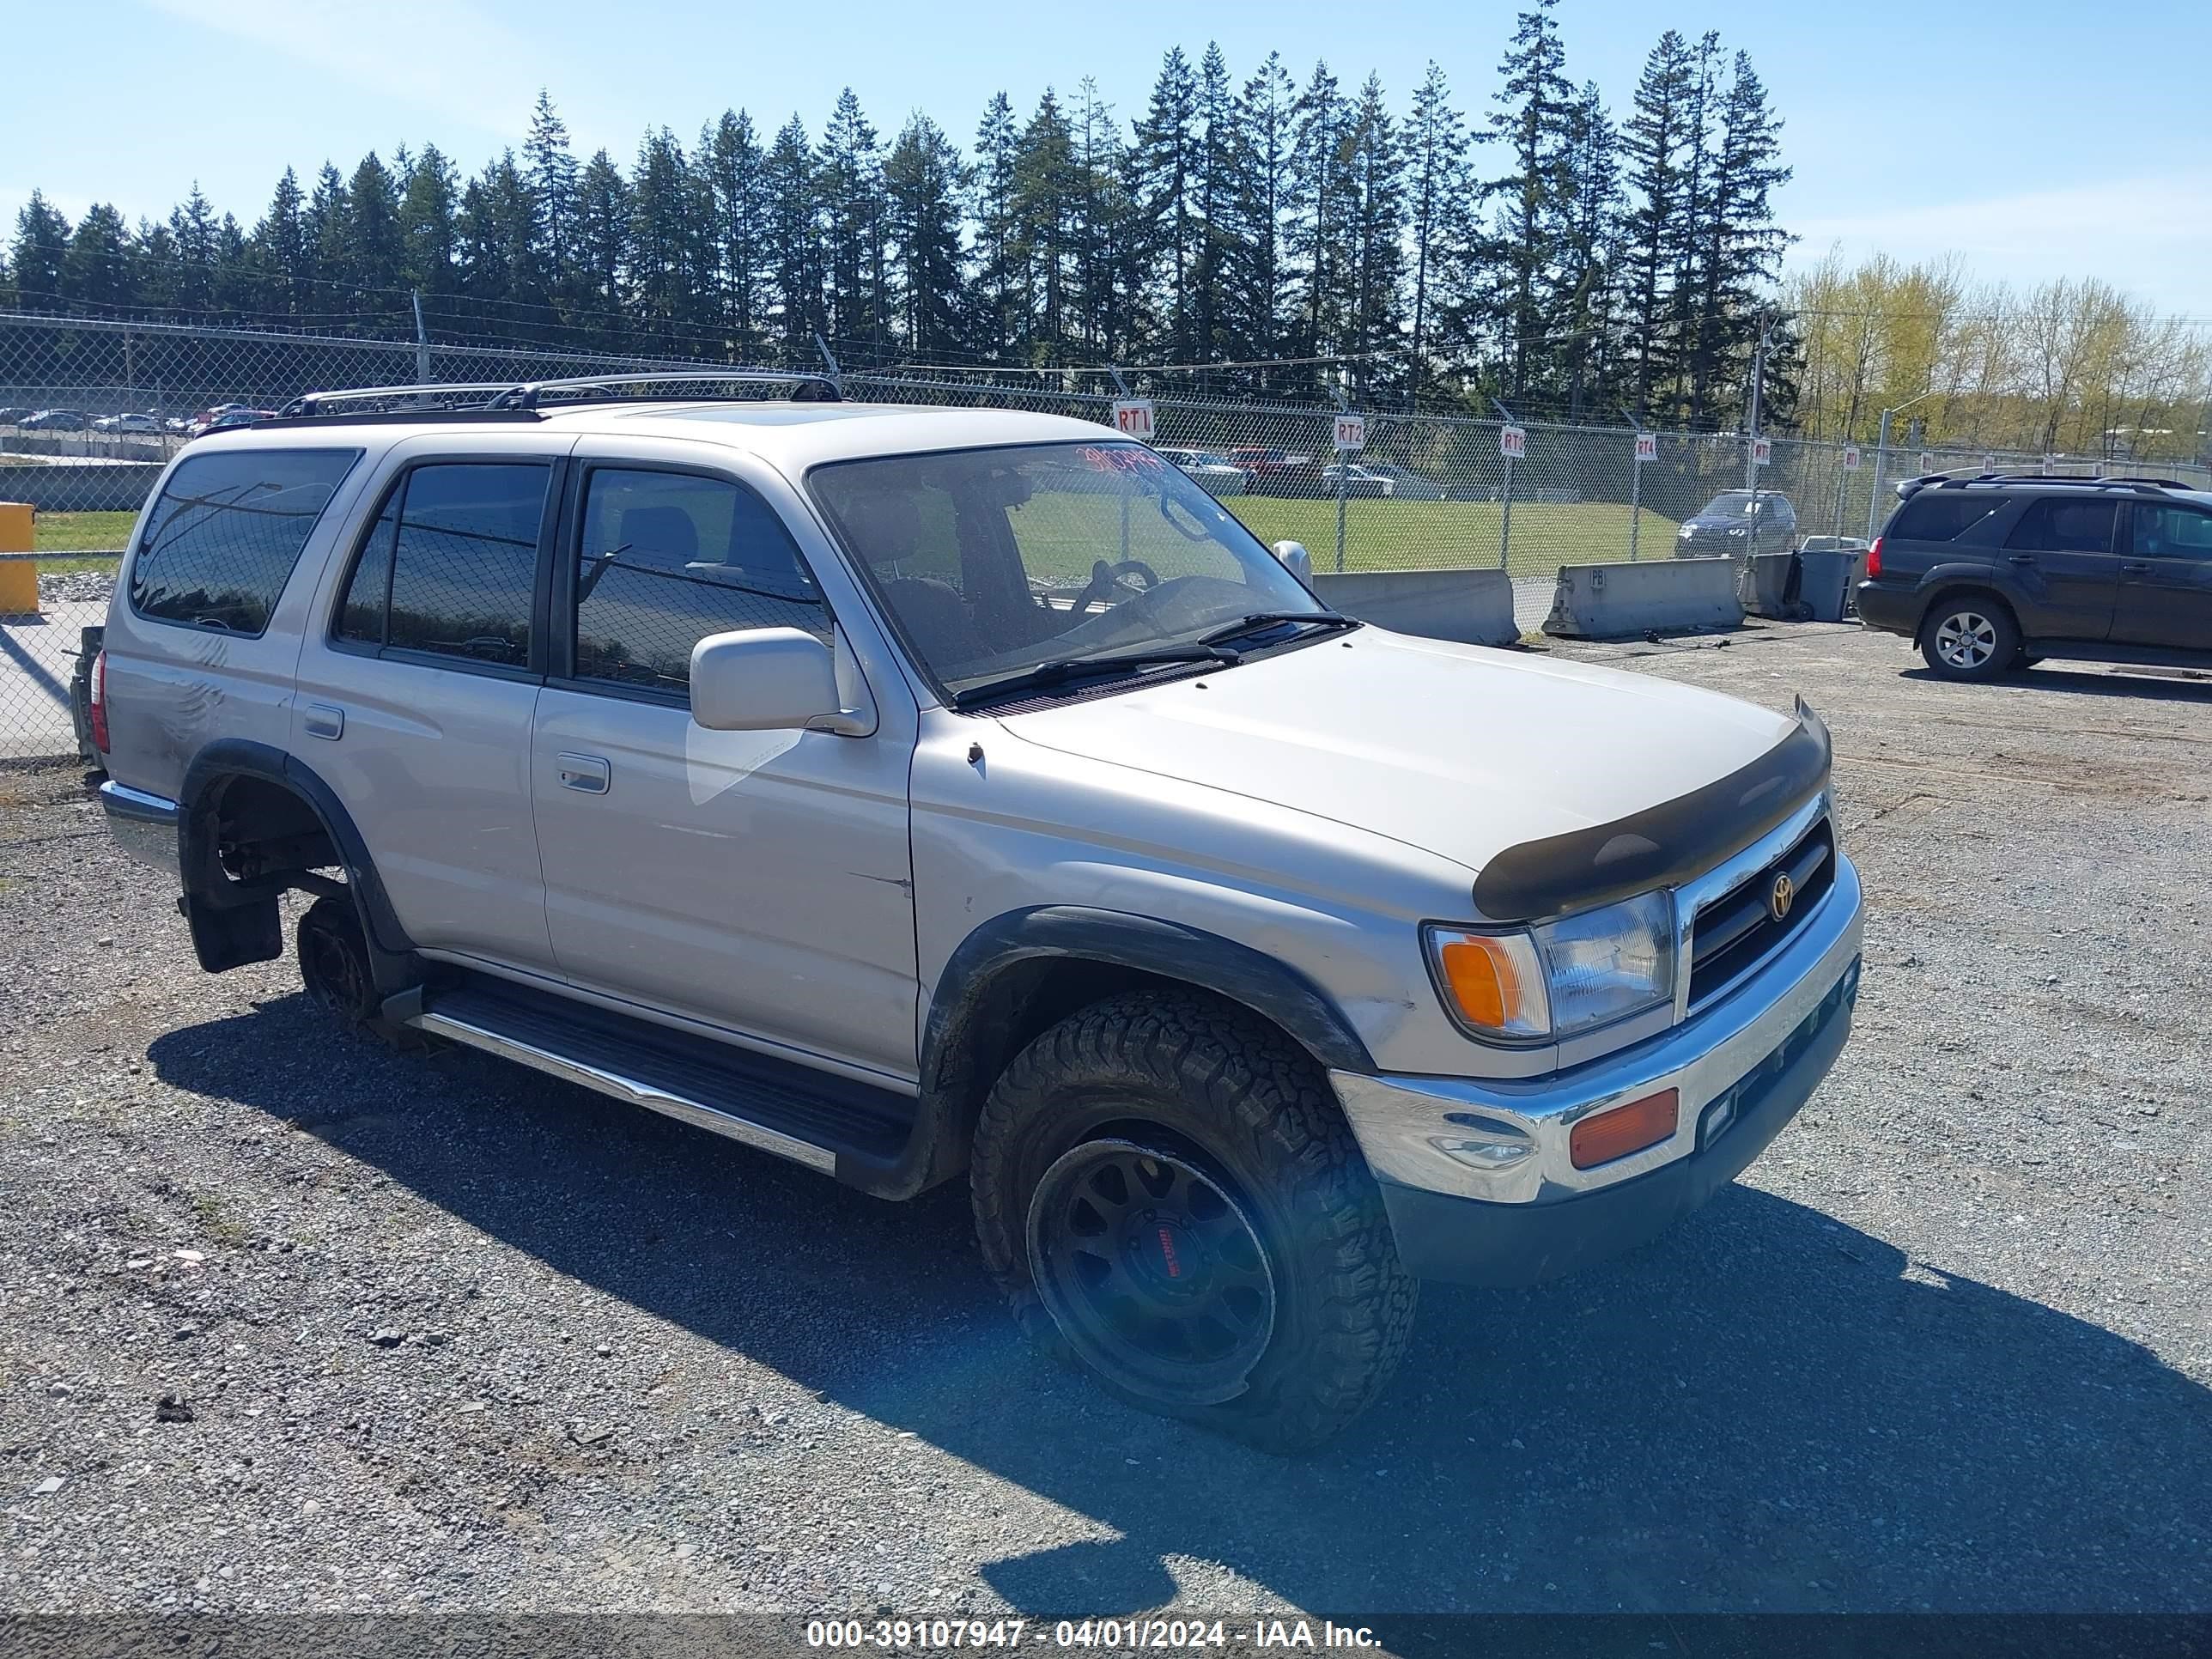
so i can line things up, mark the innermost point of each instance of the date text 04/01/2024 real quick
(1108, 1635)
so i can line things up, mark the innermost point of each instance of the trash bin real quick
(1769, 585)
(1827, 574)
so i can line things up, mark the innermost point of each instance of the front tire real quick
(1171, 1200)
(1969, 639)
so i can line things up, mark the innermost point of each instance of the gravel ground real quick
(81, 586)
(288, 1322)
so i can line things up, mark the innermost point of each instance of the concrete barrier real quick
(1623, 601)
(1474, 607)
(94, 487)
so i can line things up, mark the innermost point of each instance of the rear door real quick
(417, 692)
(2166, 580)
(2064, 571)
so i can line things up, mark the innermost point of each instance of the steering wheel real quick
(1105, 577)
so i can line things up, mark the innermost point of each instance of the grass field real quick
(1415, 535)
(75, 532)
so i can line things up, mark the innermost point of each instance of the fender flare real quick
(390, 949)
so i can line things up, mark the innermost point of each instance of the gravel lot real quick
(288, 1322)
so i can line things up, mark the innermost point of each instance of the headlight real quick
(1687, 530)
(1561, 978)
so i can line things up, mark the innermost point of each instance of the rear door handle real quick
(585, 774)
(2023, 558)
(2135, 570)
(320, 720)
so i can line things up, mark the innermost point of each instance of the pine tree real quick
(1044, 166)
(1164, 159)
(924, 184)
(1585, 282)
(1652, 143)
(374, 253)
(1314, 236)
(1532, 125)
(848, 186)
(1103, 303)
(1376, 217)
(664, 243)
(1686, 238)
(1437, 193)
(1739, 245)
(95, 269)
(550, 168)
(282, 247)
(42, 237)
(603, 219)
(428, 235)
(999, 283)
(192, 233)
(1218, 147)
(1267, 120)
(326, 230)
(731, 160)
(795, 237)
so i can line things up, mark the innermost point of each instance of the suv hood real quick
(1458, 750)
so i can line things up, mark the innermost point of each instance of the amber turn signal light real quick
(1624, 1129)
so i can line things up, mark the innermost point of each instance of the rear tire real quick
(1170, 1199)
(1970, 638)
(334, 968)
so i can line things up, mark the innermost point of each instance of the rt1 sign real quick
(1513, 442)
(1133, 418)
(1350, 433)
(1647, 447)
(1851, 457)
(1762, 451)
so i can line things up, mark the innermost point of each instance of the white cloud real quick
(2151, 237)
(445, 56)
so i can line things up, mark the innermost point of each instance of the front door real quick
(2065, 575)
(2166, 580)
(757, 881)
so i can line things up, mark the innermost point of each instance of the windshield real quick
(994, 560)
(1735, 504)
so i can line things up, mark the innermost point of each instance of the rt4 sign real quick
(1133, 418)
(1647, 447)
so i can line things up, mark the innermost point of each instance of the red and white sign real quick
(1851, 457)
(1647, 447)
(1350, 433)
(1762, 451)
(1927, 460)
(1133, 418)
(1990, 464)
(1513, 442)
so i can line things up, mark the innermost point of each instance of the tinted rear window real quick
(450, 567)
(226, 532)
(1933, 516)
(2060, 525)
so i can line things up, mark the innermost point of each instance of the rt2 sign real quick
(1513, 442)
(1647, 447)
(1350, 433)
(1133, 418)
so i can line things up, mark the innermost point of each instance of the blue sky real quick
(2026, 136)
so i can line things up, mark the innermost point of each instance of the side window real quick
(451, 565)
(2169, 532)
(1938, 515)
(2056, 525)
(668, 558)
(228, 527)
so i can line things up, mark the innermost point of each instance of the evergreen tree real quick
(193, 235)
(95, 269)
(42, 238)
(1533, 127)
(374, 252)
(550, 168)
(1376, 218)
(1003, 294)
(1739, 245)
(1218, 148)
(1686, 240)
(848, 187)
(1103, 303)
(734, 163)
(281, 249)
(1044, 166)
(664, 244)
(1653, 142)
(428, 238)
(1585, 282)
(925, 182)
(1314, 233)
(1266, 117)
(603, 219)
(1437, 192)
(795, 239)
(1164, 159)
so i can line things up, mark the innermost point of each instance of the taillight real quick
(98, 703)
(1874, 559)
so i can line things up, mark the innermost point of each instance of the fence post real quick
(1836, 460)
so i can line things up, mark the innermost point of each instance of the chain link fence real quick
(90, 411)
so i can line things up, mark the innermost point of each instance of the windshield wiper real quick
(1269, 618)
(1061, 669)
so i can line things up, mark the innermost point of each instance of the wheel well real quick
(1026, 998)
(264, 829)
(1989, 595)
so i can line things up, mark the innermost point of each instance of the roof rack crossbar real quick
(312, 403)
(820, 388)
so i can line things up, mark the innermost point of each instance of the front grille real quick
(1737, 932)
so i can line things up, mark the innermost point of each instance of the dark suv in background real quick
(1739, 523)
(1993, 573)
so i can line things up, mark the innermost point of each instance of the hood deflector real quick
(1662, 846)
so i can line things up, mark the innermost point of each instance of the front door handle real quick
(585, 774)
(2135, 570)
(2023, 558)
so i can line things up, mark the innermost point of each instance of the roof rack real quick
(1908, 488)
(513, 400)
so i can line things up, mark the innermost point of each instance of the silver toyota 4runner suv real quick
(914, 792)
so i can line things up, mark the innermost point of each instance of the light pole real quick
(1881, 457)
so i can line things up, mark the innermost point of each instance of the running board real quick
(809, 1117)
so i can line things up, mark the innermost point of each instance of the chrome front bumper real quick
(144, 826)
(1505, 1143)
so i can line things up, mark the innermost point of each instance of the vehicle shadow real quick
(2162, 685)
(1767, 1410)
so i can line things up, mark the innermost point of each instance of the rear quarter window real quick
(1932, 516)
(227, 530)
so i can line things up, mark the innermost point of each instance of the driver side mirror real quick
(768, 679)
(1296, 560)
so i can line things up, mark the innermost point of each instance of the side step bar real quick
(807, 1116)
